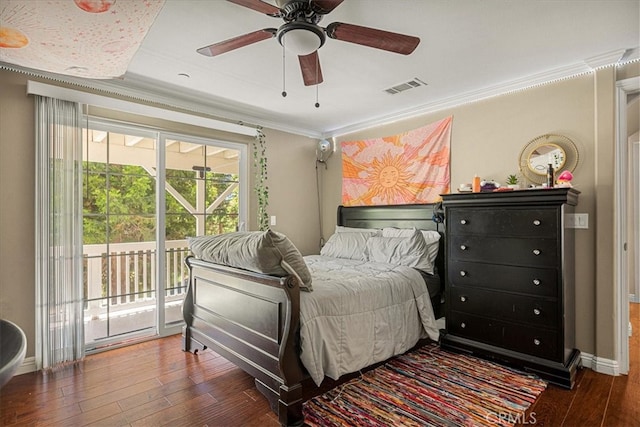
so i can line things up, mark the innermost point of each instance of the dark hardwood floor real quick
(597, 399)
(154, 383)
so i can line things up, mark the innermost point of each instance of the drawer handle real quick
(536, 341)
(463, 247)
(463, 221)
(536, 311)
(463, 325)
(463, 298)
(536, 222)
(536, 252)
(536, 282)
(463, 273)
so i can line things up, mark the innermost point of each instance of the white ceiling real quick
(469, 49)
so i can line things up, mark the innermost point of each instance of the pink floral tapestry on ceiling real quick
(408, 168)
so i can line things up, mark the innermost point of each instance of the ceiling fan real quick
(302, 35)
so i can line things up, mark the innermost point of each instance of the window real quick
(144, 193)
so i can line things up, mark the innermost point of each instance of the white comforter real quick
(360, 313)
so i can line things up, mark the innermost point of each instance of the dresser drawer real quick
(503, 221)
(509, 307)
(525, 280)
(524, 339)
(534, 252)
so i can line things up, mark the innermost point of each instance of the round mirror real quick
(535, 157)
(545, 154)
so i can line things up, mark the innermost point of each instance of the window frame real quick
(161, 136)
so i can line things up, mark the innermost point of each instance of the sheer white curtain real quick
(59, 273)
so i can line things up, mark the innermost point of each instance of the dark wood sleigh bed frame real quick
(262, 337)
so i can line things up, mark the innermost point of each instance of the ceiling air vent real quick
(416, 82)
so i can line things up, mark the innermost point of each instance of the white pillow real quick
(350, 245)
(409, 251)
(431, 238)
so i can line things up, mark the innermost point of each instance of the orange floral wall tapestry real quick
(408, 168)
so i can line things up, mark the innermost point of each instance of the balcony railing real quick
(120, 283)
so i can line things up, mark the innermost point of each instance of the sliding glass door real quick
(144, 194)
(202, 196)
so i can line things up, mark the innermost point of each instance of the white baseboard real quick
(634, 298)
(28, 365)
(600, 364)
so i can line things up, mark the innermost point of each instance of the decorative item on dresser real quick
(510, 293)
(557, 150)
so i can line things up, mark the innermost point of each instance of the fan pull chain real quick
(317, 83)
(284, 89)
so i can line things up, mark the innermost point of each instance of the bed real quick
(261, 322)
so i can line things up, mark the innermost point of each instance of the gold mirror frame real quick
(558, 150)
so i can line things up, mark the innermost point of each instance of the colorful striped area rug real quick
(428, 387)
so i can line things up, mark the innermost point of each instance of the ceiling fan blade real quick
(260, 6)
(237, 42)
(310, 66)
(379, 39)
(324, 6)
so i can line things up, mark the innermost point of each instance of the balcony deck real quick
(121, 288)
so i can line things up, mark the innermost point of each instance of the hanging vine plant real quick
(261, 188)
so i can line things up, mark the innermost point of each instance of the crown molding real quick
(135, 89)
(606, 59)
(505, 88)
(139, 89)
(614, 58)
(196, 101)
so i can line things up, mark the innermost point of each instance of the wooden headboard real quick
(422, 216)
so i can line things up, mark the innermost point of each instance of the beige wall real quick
(17, 208)
(292, 189)
(487, 137)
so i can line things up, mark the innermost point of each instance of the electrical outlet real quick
(580, 220)
(273, 220)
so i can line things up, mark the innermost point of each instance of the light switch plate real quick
(582, 220)
(579, 220)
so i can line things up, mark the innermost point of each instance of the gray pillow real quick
(431, 238)
(266, 252)
(351, 245)
(410, 251)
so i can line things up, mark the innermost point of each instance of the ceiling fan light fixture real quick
(301, 38)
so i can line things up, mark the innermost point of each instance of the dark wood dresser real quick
(510, 280)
